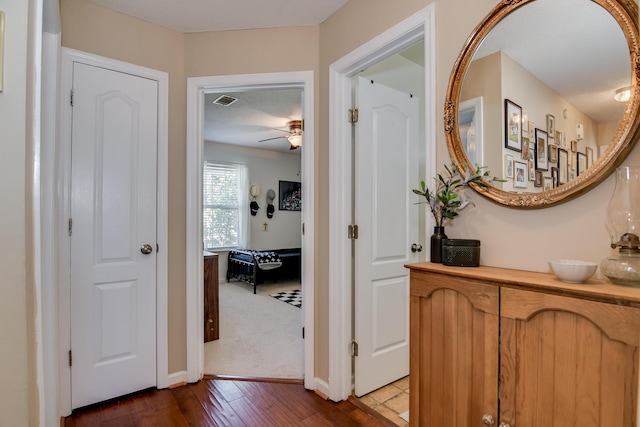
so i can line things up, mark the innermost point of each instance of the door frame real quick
(63, 197)
(420, 26)
(196, 89)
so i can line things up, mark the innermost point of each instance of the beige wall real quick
(510, 238)
(16, 336)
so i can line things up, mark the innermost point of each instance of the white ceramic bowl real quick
(573, 271)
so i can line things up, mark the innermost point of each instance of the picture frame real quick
(574, 145)
(541, 150)
(551, 125)
(525, 124)
(553, 153)
(537, 182)
(290, 196)
(520, 174)
(547, 183)
(554, 176)
(563, 166)
(508, 165)
(581, 163)
(512, 125)
(589, 153)
(532, 136)
(532, 169)
(526, 152)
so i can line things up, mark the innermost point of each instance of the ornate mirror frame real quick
(625, 12)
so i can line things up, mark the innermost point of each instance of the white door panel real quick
(113, 209)
(387, 137)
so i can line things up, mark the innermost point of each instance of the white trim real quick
(196, 88)
(69, 56)
(415, 28)
(48, 388)
(177, 378)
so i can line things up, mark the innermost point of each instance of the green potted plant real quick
(444, 198)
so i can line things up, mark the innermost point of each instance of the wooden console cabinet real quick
(492, 346)
(211, 313)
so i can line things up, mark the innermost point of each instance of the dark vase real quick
(436, 244)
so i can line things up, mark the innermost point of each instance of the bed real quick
(254, 267)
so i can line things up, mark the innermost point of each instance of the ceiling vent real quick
(225, 100)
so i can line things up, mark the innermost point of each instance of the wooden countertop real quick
(593, 289)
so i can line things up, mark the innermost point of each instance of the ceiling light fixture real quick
(623, 94)
(295, 140)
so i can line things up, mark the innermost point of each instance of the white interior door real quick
(386, 162)
(113, 209)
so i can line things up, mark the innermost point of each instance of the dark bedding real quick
(254, 267)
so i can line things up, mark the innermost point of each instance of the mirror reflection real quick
(537, 103)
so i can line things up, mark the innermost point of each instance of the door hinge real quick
(353, 116)
(70, 226)
(70, 358)
(303, 332)
(303, 228)
(71, 98)
(352, 232)
(354, 348)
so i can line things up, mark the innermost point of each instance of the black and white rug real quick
(293, 297)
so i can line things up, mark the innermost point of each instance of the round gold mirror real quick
(533, 93)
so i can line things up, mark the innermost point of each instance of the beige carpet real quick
(259, 335)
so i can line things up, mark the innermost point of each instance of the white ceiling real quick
(190, 16)
(573, 46)
(257, 114)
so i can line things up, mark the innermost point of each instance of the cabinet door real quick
(566, 361)
(454, 351)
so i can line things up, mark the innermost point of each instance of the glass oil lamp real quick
(623, 224)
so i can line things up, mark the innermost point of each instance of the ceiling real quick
(573, 46)
(257, 114)
(568, 46)
(190, 16)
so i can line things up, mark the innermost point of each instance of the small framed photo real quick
(563, 166)
(521, 174)
(537, 182)
(532, 169)
(581, 163)
(589, 152)
(554, 176)
(551, 125)
(290, 196)
(532, 128)
(512, 125)
(574, 145)
(525, 148)
(525, 124)
(548, 183)
(508, 165)
(541, 150)
(553, 153)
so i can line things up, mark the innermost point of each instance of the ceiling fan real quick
(294, 135)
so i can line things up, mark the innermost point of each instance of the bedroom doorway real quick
(247, 137)
(197, 91)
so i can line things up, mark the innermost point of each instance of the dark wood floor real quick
(227, 402)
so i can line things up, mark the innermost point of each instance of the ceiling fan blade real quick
(269, 139)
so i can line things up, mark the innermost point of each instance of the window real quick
(224, 202)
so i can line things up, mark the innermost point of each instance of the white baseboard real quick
(322, 386)
(177, 378)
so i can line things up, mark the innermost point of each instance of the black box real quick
(461, 252)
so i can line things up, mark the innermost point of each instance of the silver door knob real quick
(146, 249)
(416, 247)
(487, 420)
